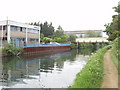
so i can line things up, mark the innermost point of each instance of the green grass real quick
(91, 75)
(115, 54)
(114, 58)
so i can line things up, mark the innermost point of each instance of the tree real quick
(72, 38)
(64, 38)
(41, 37)
(113, 28)
(59, 32)
(47, 29)
(57, 39)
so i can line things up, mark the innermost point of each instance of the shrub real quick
(72, 46)
(46, 40)
(115, 54)
(11, 49)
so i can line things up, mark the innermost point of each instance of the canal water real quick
(45, 70)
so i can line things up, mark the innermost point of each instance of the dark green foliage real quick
(59, 35)
(72, 38)
(41, 37)
(85, 44)
(113, 28)
(92, 74)
(64, 38)
(115, 54)
(95, 45)
(11, 49)
(86, 51)
(47, 29)
(59, 32)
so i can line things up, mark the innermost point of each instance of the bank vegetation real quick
(91, 75)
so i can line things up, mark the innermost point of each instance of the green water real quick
(45, 70)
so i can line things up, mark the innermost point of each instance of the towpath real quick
(110, 79)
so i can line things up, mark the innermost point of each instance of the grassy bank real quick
(115, 54)
(92, 74)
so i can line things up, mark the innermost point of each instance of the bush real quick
(85, 44)
(72, 46)
(11, 49)
(115, 54)
(46, 40)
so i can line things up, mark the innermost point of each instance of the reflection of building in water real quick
(15, 70)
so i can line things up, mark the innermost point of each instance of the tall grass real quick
(92, 74)
(115, 54)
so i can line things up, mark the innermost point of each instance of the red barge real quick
(45, 48)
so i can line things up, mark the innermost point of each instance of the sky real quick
(70, 14)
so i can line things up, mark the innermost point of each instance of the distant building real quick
(83, 33)
(18, 33)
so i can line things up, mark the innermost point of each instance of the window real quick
(21, 29)
(30, 30)
(5, 27)
(0, 27)
(18, 28)
(13, 28)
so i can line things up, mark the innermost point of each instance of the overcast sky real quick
(70, 14)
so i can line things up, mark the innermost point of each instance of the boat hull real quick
(45, 49)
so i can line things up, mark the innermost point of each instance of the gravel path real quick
(110, 79)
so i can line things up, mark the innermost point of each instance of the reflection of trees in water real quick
(46, 64)
(73, 55)
(10, 64)
(86, 51)
(19, 67)
(16, 69)
(89, 50)
(49, 62)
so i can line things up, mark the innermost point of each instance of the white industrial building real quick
(18, 33)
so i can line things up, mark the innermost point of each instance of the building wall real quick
(19, 33)
(82, 33)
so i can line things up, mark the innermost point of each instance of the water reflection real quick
(51, 69)
(87, 51)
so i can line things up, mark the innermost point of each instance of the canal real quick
(45, 70)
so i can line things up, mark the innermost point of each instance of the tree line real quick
(48, 33)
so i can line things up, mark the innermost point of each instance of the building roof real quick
(81, 31)
(14, 23)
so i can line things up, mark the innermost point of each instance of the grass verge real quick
(115, 52)
(92, 74)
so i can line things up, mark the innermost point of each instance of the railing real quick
(44, 45)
